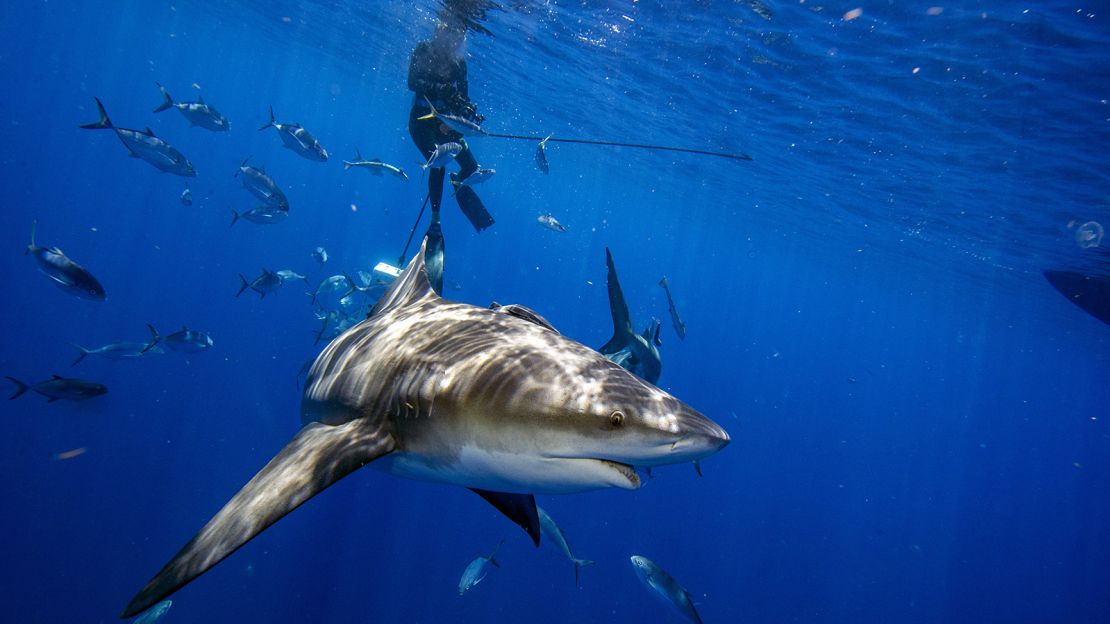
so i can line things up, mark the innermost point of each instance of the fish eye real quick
(616, 419)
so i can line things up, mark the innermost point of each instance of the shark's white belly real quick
(498, 471)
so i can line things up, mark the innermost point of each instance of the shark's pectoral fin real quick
(318, 456)
(520, 508)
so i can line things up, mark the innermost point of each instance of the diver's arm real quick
(461, 83)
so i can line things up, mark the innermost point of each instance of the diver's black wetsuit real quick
(441, 78)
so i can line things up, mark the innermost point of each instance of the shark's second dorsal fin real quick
(525, 313)
(411, 286)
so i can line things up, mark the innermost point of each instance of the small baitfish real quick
(443, 153)
(541, 156)
(665, 587)
(65, 273)
(58, 387)
(146, 146)
(184, 340)
(676, 320)
(296, 138)
(550, 222)
(374, 166)
(553, 535)
(155, 613)
(264, 284)
(476, 570)
(320, 255)
(196, 113)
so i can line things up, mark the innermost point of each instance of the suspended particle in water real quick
(1089, 234)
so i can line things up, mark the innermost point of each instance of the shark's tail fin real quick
(81, 353)
(167, 101)
(318, 456)
(154, 338)
(578, 565)
(244, 284)
(272, 122)
(101, 123)
(20, 387)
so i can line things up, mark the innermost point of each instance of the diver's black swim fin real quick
(472, 207)
(433, 257)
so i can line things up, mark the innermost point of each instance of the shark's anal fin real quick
(318, 456)
(520, 508)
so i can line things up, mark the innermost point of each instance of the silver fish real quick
(479, 176)
(146, 146)
(541, 155)
(462, 125)
(550, 222)
(184, 340)
(286, 275)
(476, 570)
(676, 320)
(65, 273)
(298, 139)
(262, 186)
(196, 113)
(554, 535)
(443, 153)
(665, 587)
(58, 387)
(325, 292)
(264, 284)
(155, 613)
(187, 196)
(120, 350)
(374, 166)
(262, 215)
(320, 255)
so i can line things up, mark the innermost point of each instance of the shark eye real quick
(616, 419)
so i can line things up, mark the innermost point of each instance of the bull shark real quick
(638, 353)
(494, 400)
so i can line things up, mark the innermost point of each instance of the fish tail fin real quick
(167, 101)
(430, 115)
(493, 555)
(154, 338)
(101, 123)
(271, 123)
(346, 165)
(241, 165)
(243, 285)
(318, 456)
(31, 247)
(20, 387)
(578, 565)
(697, 467)
(81, 353)
(663, 282)
(353, 287)
(234, 217)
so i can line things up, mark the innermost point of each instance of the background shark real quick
(638, 353)
(494, 400)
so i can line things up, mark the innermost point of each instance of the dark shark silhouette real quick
(638, 353)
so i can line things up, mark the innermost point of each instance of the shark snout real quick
(699, 437)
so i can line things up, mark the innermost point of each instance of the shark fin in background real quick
(622, 324)
(318, 456)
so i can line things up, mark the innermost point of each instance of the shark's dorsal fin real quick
(318, 456)
(149, 132)
(411, 286)
(622, 324)
(200, 99)
(525, 313)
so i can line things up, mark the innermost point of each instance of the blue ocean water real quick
(918, 420)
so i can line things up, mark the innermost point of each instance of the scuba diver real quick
(437, 78)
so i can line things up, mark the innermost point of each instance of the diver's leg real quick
(435, 190)
(467, 199)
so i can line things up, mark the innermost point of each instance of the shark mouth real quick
(625, 470)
